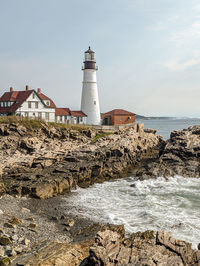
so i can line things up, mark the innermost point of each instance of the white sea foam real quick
(157, 204)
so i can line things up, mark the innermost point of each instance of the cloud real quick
(197, 7)
(174, 65)
(188, 35)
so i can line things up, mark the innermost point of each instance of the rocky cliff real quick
(47, 160)
(180, 155)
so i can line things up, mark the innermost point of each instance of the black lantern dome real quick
(90, 62)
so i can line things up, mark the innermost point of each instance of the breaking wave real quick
(172, 205)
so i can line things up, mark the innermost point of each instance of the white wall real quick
(90, 98)
(63, 120)
(33, 111)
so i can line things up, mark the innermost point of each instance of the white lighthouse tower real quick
(90, 99)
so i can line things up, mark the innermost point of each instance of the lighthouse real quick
(90, 98)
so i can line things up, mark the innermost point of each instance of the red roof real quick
(63, 111)
(15, 96)
(44, 97)
(78, 114)
(118, 112)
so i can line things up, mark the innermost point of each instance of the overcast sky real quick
(147, 51)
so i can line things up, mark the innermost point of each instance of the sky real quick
(147, 52)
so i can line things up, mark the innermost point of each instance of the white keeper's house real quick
(36, 105)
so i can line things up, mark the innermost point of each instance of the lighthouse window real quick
(95, 102)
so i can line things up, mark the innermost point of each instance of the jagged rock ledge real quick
(110, 248)
(180, 155)
(49, 160)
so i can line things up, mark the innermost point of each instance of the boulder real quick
(57, 254)
(147, 248)
(5, 240)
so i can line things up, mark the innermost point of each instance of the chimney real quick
(27, 87)
(11, 89)
(39, 90)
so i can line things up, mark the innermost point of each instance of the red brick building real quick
(118, 117)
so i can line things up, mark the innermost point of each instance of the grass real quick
(77, 127)
(100, 135)
(32, 124)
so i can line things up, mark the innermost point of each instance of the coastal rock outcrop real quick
(48, 160)
(110, 248)
(148, 248)
(180, 155)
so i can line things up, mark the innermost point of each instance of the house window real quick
(29, 104)
(47, 103)
(60, 118)
(33, 95)
(39, 115)
(5, 104)
(81, 119)
(120, 118)
(95, 102)
(36, 104)
(1, 104)
(47, 116)
(26, 114)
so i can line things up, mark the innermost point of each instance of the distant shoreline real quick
(140, 117)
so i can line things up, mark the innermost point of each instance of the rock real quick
(9, 225)
(2, 251)
(106, 249)
(33, 225)
(25, 242)
(2, 187)
(15, 221)
(11, 252)
(14, 238)
(180, 155)
(140, 249)
(182, 248)
(4, 240)
(18, 250)
(56, 253)
(2, 231)
(52, 161)
(5, 261)
(25, 210)
(68, 222)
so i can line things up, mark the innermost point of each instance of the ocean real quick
(166, 126)
(157, 204)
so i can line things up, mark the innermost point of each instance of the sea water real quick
(172, 205)
(166, 126)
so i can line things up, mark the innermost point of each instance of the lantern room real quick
(89, 55)
(89, 62)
